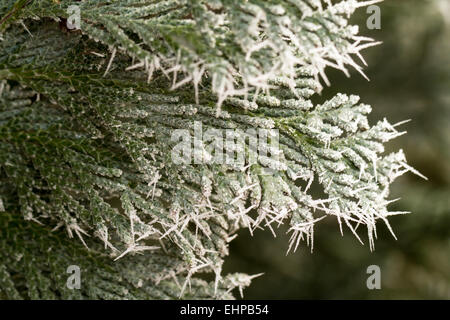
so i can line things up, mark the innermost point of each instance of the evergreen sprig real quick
(86, 140)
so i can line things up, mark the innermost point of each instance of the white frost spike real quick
(113, 54)
(136, 248)
(301, 229)
(153, 182)
(77, 229)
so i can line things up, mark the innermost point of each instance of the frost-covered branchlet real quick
(86, 139)
(238, 45)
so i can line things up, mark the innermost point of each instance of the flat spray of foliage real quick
(86, 118)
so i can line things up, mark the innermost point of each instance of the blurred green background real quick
(410, 79)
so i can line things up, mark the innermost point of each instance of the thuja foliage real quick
(86, 118)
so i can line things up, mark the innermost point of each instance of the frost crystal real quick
(86, 120)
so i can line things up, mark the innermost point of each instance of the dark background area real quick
(410, 79)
